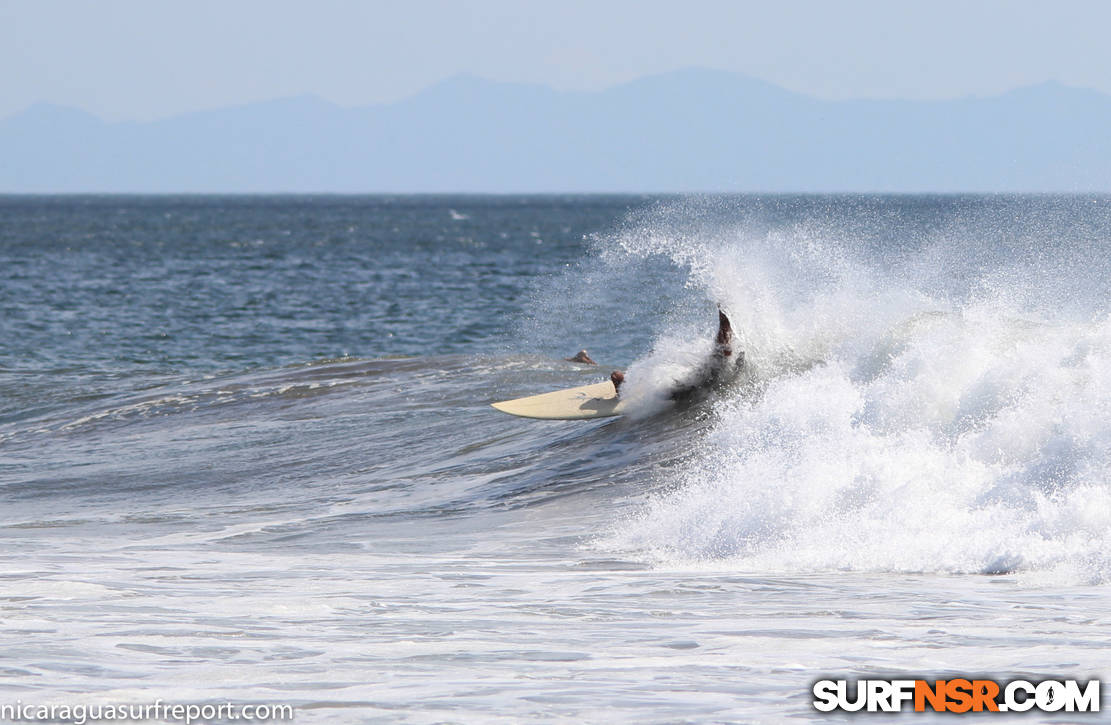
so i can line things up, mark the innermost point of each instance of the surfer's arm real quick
(724, 338)
(723, 348)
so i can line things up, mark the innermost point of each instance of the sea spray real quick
(903, 416)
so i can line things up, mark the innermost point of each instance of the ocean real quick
(247, 453)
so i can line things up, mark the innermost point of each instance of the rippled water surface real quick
(247, 453)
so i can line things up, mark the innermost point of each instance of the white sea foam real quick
(894, 425)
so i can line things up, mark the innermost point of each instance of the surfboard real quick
(588, 401)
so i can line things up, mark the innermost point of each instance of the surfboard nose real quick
(587, 401)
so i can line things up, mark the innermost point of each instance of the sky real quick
(141, 60)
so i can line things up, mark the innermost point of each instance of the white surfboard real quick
(588, 401)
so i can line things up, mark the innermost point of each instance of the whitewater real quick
(900, 415)
(247, 453)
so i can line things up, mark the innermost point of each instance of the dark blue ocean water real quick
(246, 450)
(173, 284)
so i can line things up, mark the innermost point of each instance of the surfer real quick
(719, 368)
(582, 357)
(603, 399)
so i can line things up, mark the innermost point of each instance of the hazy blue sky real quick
(139, 59)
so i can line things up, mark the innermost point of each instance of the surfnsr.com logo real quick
(956, 695)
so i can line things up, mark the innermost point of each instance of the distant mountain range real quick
(693, 130)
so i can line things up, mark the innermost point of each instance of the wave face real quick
(927, 398)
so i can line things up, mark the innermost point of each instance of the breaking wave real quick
(937, 404)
